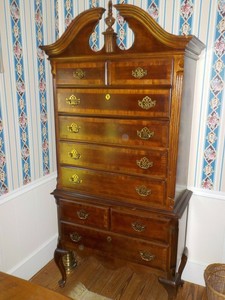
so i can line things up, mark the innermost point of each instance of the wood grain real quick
(12, 287)
(118, 284)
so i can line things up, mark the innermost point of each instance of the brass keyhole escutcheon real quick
(109, 239)
(107, 97)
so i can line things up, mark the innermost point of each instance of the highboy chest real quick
(123, 124)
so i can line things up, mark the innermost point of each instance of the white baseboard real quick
(194, 272)
(36, 261)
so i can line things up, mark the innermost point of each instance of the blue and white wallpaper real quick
(27, 145)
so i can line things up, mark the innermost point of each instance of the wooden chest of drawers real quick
(121, 121)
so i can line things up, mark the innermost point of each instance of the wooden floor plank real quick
(118, 284)
(118, 280)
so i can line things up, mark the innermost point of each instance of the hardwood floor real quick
(118, 284)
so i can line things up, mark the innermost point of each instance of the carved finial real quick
(110, 35)
(110, 20)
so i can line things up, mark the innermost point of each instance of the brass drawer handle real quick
(73, 100)
(78, 74)
(144, 163)
(138, 227)
(73, 128)
(147, 103)
(75, 179)
(143, 191)
(145, 133)
(139, 73)
(82, 214)
(75, 237)
(74, 154)
(147, 256)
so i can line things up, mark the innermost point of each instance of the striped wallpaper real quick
(27, 146)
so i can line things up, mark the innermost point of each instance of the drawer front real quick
(141, 72)
(92, 73)
(84, 214)
(143, 133)
(157, 229)
(135, 250)
(108, 158)
(143, 103)
(136, 190)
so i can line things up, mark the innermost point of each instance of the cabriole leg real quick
(172, 285)
(58, 258)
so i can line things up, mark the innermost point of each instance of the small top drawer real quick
(79, 74)
(145, 227)
(84, 214)
(156, 71)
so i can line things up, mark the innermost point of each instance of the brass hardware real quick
(138, 227)
(75, 179)
(139, 73)
(143, 191)
(107, 97)
(79, 74)
(73, 100)
(74, 128)
(109, 239)
(147, 256)
(75, 237)
(74, 154)
(144, 163)
(82, 214)
(147, 103)
(145, 133)
(69, 261)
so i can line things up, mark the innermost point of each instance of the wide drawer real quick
(84, 214)
(80, 74)
(143, 133)
(138, 225)
(127, 160)
(135, 250)
(143, 103)
(135, 190)
(157, 71)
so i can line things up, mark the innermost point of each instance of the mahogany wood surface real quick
(12, 287)
(118, 116)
